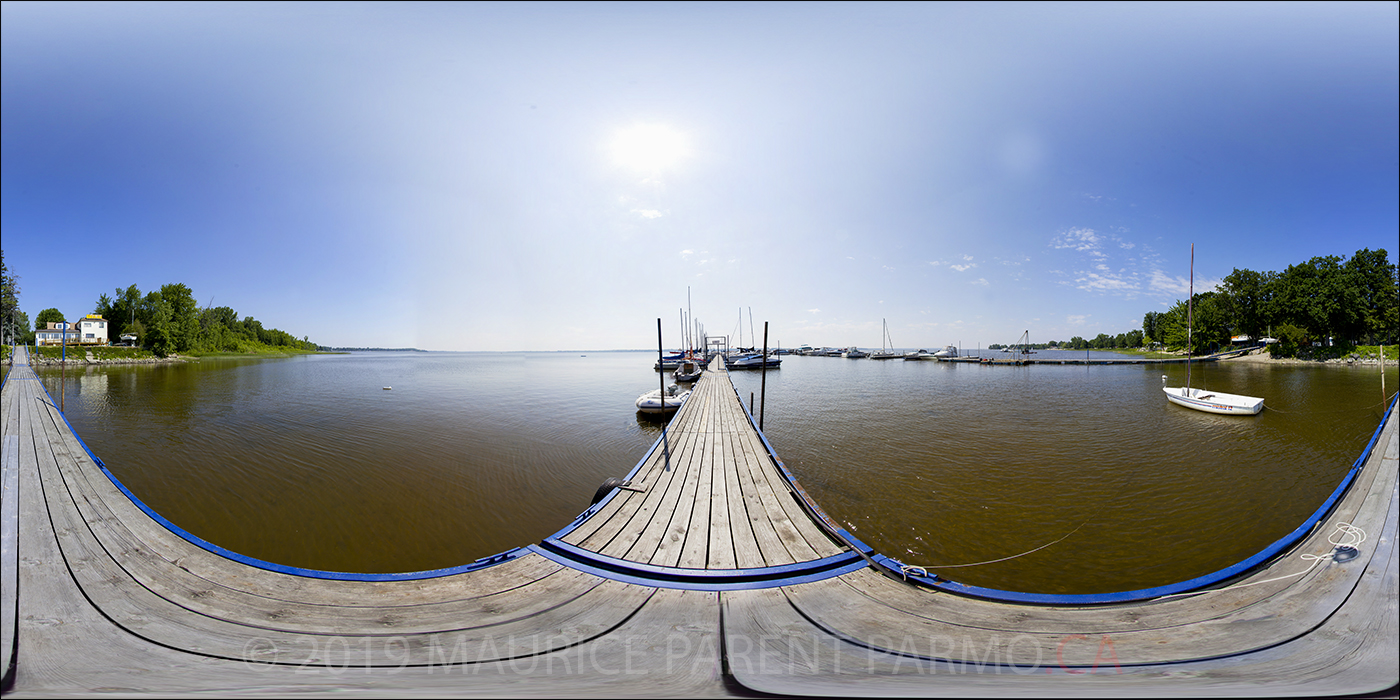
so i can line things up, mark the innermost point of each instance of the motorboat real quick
(947, 353)
(669, 361)
(658, 402)
(854, 353)
(920, 354)
(752, 360)
(688, 371)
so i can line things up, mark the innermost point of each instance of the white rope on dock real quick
(1346, 536)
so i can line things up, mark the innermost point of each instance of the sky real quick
(504, 177)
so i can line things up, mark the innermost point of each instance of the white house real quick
(91, 330)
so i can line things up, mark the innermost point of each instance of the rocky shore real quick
(1262, 357)
(88, 360)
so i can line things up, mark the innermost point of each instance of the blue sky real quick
(556, 176)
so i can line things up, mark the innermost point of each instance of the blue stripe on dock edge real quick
(697, 579)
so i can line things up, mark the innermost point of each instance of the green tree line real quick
(170, 321)
(166, 322)
(1325, 299)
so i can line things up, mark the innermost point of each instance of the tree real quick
(1370, 281)
(1151, 326)
(45, 317)
(9, 302)
(1313, 296)
(157, 319)
(1290, 339)
(184, 316)
(17, 329)
(1246, 296)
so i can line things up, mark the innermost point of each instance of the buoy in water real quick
(611, 483)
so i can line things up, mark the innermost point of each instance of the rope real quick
(1346, 536)
(1382, 404)
(906, 569)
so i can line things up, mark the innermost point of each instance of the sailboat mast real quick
(1190, 300)
(752, 338)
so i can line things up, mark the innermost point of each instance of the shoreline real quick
(45, 362)
(1264, 358)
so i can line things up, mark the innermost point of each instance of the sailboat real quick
(886, 346)
(1201, 399)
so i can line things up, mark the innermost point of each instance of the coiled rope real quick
(1345, 537)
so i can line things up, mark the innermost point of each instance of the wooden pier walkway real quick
(712, 574)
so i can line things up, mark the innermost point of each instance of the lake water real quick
(309, 461)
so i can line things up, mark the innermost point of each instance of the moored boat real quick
(1214, 401)
(688, 371)
(886, 345)
(854, 353)
(752, 360)
(669, 361)
(658, 402)
(1201, 399)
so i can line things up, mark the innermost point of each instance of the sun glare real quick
(649, 147)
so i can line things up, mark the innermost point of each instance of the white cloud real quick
(648, 213)
(963, 268)
(1165, 284)
(1082, 239)
(1077, 320)
(980, 280)
(1094, 282)
(1179, 286)
(814, 311)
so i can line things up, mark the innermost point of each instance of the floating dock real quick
(711, 574)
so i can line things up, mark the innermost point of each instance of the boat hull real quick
(654, 403)
(1214, 401)
(753, 362)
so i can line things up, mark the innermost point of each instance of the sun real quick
(649, 147)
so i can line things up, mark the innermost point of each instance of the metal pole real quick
(660, 354)
(1190, 300)
(63, 369)
(763, 375)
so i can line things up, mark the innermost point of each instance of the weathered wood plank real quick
(813, 536)
(747, 553)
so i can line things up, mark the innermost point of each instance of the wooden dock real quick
(712, 574)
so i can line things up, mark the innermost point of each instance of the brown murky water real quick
(310, 462)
